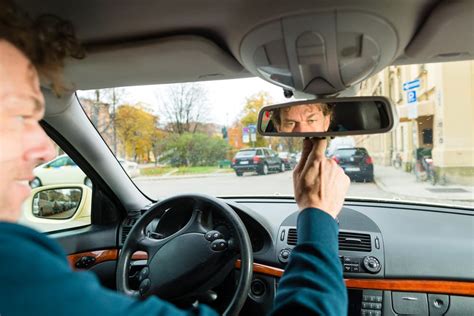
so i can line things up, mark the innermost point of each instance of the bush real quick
(194, 150)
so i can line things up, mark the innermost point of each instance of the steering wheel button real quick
(144, 286)
(143, 274)
(219, 245)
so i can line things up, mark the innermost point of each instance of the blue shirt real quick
(36, 279)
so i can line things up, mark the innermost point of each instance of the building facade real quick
(435, 118)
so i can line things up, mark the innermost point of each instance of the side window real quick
(259, 152)
(267, 154)
(58, 162)
(60, 197)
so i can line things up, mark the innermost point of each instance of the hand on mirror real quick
(319, 182)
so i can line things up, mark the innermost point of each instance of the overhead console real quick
(322, 53)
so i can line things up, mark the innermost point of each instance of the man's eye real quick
(312, 121)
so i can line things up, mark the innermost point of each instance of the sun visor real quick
(167, 60)
(322, 53)
(447, 34)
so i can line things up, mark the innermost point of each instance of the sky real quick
(226, 97)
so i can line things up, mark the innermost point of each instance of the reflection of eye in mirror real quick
(56, 203)
(331, 117)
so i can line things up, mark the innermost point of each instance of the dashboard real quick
(397, 258)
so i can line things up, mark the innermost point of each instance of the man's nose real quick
(297, 128)
(40, 148)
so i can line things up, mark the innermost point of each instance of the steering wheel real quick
(194, 259)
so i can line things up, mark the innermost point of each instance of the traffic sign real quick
(409, 85)
(245, 135)
(411, 96)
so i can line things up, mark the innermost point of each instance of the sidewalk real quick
(402, 183)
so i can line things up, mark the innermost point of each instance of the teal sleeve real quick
(313, 283)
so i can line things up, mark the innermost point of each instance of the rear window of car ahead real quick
(245, 153)
(345, 152)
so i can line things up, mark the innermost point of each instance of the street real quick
(228, 184)
(389, 183)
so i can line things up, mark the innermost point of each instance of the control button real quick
(257, 287)
(365, 298)
(144, 286)
(378, 306)
(85, 262)
(377, 313)
(372, 264)
(347, 259)
(284, 255)
(347, 268)
(377, 243)
(364, 312)
(355, 268)
(219, 245)
(213, 235)
(365, 305)
(282, 235)
(378, 299)
(143, 274)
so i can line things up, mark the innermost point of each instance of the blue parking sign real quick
(411, 96)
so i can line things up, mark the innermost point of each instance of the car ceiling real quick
(149, 42)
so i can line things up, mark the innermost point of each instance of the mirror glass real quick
(56, 203)
(326, 117)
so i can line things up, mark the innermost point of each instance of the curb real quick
(384, 188)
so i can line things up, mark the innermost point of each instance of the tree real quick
(250, 113)
(184, 107)
(136, 130)
(196, 149)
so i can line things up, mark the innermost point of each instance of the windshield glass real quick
(185, 137)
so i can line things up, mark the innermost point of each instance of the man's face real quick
(23, 143)
(303, 118)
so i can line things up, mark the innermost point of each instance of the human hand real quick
(319, 182)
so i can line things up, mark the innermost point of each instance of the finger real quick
(319, 148)
(307, 146)
(316, 155)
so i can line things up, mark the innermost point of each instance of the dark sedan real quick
(260, 160)
(356, 162)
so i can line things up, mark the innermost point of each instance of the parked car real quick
(60, 170)
(288, 159)
(260, 160)
(356, 162)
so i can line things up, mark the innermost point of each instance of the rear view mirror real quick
(328, 117)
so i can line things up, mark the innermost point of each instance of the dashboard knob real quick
(284, 255)
(372, 264)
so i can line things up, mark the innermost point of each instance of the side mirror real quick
(57, 206)
(328, 117)
(60, 203)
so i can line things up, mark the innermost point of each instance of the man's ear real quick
(327, 121)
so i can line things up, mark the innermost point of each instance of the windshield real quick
(187, 137)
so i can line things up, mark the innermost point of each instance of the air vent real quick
(127, 227)
(354, 242)
(292, 237)
(347, 241)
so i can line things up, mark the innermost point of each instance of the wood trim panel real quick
(424, 286)
(102, 256)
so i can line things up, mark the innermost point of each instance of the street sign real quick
(253, 133)
(411, 96)
(245, 135)
(409, 85)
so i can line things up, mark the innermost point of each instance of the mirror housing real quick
(328, 117)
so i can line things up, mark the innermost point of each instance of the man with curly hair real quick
(35, 278)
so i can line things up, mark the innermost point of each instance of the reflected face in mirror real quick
(314, 117)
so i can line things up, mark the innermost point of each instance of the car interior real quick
(398, 257)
